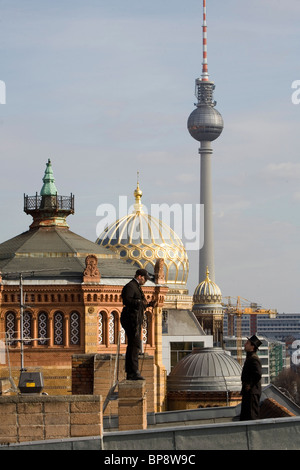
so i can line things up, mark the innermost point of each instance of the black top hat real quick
(142, 272)
(255, 341)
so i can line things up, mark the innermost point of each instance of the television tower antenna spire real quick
(205, 76)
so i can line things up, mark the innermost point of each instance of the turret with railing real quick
(48, 208)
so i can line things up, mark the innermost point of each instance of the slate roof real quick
(62, 252)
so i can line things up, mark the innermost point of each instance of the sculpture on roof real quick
(91, 272)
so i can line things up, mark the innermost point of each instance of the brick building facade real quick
(68, 291)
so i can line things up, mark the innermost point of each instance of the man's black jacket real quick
(134, 305)
(251, 374)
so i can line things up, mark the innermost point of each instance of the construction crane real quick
(239, 309)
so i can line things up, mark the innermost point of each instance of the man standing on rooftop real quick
(132, 316)
(251, 381)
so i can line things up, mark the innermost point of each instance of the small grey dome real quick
(205, 123)
(207, 369)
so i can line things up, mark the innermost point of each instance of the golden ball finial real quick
(138, 195)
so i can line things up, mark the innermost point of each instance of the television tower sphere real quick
(205, 123)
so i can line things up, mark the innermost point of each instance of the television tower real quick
(205, 124)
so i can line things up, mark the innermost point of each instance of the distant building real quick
(283, 326)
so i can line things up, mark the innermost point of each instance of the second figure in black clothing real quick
(251, 381)
(132, 317)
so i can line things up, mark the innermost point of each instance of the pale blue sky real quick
(104, 88)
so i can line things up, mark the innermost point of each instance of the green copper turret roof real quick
(49, 188)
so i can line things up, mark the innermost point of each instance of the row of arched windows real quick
(45, 329)
(54, 327)
(109, 327)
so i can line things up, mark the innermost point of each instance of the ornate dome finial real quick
(138, 206)
(48, 188)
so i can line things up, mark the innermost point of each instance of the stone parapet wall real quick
(36, 418)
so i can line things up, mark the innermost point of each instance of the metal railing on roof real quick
(56, 202)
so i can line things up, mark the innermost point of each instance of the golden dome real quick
(141, 239)
(207, 292)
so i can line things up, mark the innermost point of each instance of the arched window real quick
(123, 335)
(111, 328)
(42, 328)
(100, 328)
(145, 328)
(58, 328)
(74, 328)
(10, 327)
(27, 323)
